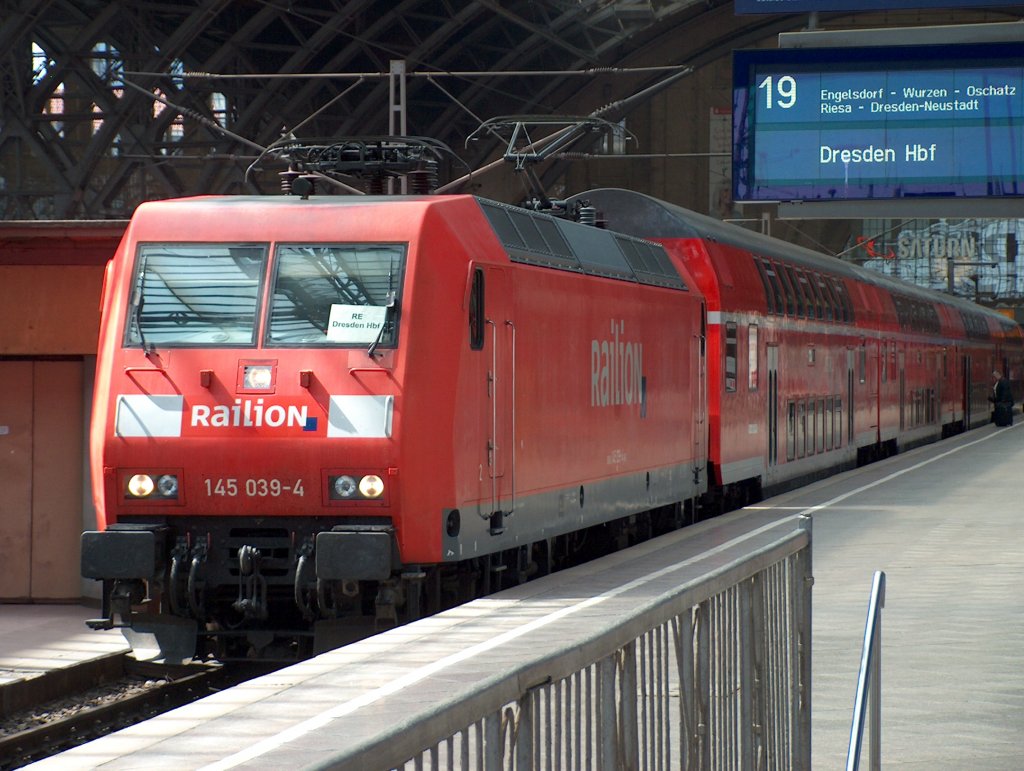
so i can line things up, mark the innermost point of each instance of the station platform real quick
(946, 524)
(942, 521)
(40, 644)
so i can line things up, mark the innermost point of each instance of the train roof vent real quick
(531, 238)
(501, 221)
(650, 263)
(539, 239)
(597, 251)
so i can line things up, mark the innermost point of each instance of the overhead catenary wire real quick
(227, 132)
(197, 116)
(290, 132)
(677, 71)
(621, 105)
(587, 72)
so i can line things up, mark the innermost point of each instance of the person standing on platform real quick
(1002, 400)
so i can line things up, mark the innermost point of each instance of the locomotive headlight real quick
(141, 486)
(258, 377)
(345, 487)
(155, 487)
(356, 486)
(167, 486)
(371, 486)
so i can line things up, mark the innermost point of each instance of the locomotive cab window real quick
(195, 295)
(336, 295)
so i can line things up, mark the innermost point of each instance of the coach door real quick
(701, 438)
(903, 390)
(499, 348)
(966, 397)
(851, 410)
(773, 404)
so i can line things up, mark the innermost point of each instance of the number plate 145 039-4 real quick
(232, 487)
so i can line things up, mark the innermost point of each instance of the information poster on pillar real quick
(837, 124)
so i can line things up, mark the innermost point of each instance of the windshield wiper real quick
(389, 308)
(147, 348)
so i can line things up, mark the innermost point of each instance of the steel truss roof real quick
(77, 142)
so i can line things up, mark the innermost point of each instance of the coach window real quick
(838, 423)
(752, 355)
(791, 431)
(780, 296)
(847, 302)
(830, 422)
(831, 311)
(812, 426)
(807, 287)
(804, 290)
(800, 285)
(837, 298)
(787, 292)
(476, 311)
(801, 428)
(769, 292)
(795, 288)
(862, 364)
(884, 359)
(812, 287)
(820, 431)
(730, 356)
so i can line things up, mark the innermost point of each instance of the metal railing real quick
(869, 684)
(714, 675)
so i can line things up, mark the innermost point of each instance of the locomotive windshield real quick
(342, 294)
(209, 294)
(196, 294)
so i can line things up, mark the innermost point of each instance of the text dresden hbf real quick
(912, 153)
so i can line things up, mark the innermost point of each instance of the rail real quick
(869, 683)
(715, 673)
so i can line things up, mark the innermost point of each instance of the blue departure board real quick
(869, 123)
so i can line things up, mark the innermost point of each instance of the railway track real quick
(60, 710)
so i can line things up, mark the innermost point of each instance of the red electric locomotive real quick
(814, 364)
(308, 411)
(312, 411)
